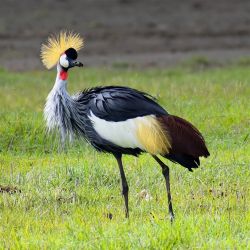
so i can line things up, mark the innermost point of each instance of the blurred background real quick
(137, 33)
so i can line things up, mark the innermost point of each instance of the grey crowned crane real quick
(117, 120)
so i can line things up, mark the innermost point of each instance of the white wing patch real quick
(123, 134)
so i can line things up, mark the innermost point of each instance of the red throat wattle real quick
(63, 75)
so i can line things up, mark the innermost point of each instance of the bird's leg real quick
(165, 172)
(124, 184)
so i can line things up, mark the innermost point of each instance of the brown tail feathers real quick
(187, 143)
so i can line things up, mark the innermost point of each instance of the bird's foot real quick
(171, 217)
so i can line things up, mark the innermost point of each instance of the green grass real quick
(65, 196)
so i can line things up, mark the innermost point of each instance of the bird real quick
(117, 120)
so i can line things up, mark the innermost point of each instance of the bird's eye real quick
(63, 61)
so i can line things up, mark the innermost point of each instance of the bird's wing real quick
(121, 103)
(124, 118)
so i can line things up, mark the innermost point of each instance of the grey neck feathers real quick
(61, 111)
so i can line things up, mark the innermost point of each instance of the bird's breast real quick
(143, 132)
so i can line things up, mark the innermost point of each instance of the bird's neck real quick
(61, 80)
(63, 75)
(62, 111)
(59, 103)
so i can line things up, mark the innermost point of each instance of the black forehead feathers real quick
(71, 53)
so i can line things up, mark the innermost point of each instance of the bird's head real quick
(61, 50)
(68, 59)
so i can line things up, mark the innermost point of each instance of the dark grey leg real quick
(165, 172)
(124, 184)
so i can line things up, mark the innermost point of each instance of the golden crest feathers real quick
(57, 44)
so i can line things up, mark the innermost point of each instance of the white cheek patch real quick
(63, 61)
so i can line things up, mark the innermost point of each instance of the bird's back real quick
(117, 103)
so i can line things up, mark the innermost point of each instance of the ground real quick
(71, 199)
(136, 33)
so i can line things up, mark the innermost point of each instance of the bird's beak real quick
(75, 64)
(78, 64)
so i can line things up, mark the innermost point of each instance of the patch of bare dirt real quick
(144, 33)
(9, 189)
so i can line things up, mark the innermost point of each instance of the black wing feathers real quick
(120, 103)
